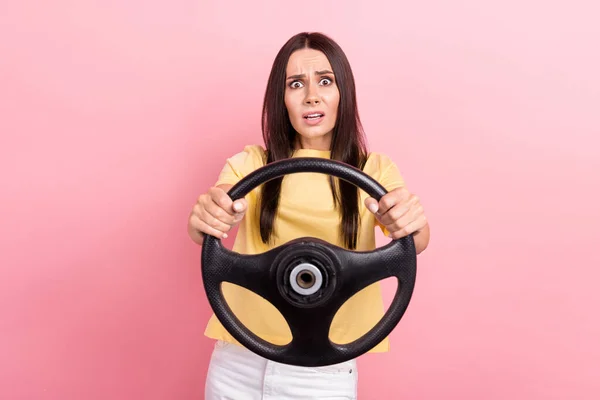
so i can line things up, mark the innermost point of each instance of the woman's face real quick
(311, 98)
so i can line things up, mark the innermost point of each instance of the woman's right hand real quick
(215, 214)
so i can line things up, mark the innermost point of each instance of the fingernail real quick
(373, 208)
(237, 206)
(225, 236)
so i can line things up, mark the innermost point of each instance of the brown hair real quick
(347, 144)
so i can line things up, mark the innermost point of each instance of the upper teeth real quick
(313, 115)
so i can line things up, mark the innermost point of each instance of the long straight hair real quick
(347, 144)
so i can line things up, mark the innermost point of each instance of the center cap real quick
(306, 273)
(306, 279)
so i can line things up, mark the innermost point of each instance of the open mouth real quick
(313, 116)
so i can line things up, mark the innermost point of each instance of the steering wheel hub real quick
(306, 273)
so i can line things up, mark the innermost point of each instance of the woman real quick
(309, 111)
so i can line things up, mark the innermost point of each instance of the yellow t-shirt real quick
(306, 208)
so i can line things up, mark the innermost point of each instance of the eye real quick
(327, 81)
(296, 84)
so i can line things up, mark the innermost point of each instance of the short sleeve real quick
(240, 165)
(390, 177)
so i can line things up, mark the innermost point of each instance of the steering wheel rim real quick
(265, 274)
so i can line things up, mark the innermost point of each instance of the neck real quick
(320, 143)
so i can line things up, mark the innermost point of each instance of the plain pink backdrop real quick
(116, 115)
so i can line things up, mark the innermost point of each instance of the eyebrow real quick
(326, 71)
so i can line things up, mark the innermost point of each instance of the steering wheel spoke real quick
(310, 334)
(361, 269)
(250, 271)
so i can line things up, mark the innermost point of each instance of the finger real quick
(398, 205)
(389, 200)
(213, 218)
(399, 211)
(372, 205)
(394, 214)
(386, 203)
(412, 215)
(240, 206)
(216, 217)
(205, 228)
(411, 228)
(222, 199)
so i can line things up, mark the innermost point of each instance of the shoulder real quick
(252, 156)
(383, 169)
(378, 163)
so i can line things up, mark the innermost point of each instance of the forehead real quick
(306, 61)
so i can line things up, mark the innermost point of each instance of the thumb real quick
(240, 205)
(372, 205)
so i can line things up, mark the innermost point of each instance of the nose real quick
(312, 94)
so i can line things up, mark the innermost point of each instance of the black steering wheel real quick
(308, 279)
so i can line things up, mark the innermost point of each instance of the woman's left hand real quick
(399, 211)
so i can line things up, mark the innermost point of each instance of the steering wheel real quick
(308, 279)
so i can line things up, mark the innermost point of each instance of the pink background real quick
(116, 115)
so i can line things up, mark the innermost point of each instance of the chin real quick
(314, 132)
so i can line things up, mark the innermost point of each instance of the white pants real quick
(235, 373)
